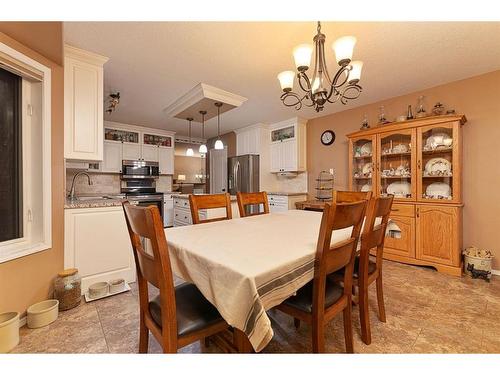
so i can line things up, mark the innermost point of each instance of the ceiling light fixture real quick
(203, 146)
(218, 143)
(189, 151)
(321, 88)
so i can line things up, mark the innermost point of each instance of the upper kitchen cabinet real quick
(288, 145)
(83, 104)
(251, 139)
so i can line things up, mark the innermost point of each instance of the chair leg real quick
(380, 298)
(348, 328)
(143, 337)
(296, 323)
(318, 337)
(364, 315)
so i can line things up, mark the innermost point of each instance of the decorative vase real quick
(409, 115)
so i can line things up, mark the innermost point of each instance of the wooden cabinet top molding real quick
(430, 120)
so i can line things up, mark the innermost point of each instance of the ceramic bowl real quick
(9, 331)
(116, 285)
(98, 290)
(42, 313)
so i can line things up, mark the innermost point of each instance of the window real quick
(25, 173)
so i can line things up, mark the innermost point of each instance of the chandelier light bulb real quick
(203, 149)
(302, 56)
(219, 145)
(189, 152)
(343, 48)
(355, 73)
(286, 80)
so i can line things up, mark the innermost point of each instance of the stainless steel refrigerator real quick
(243, 174)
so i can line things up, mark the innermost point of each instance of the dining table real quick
(246, 266)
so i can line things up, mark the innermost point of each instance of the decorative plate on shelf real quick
(366, 187)
(437, 140)
(400, 149)
(366, 149)
(400, 189)
(438, 190)
(438, 167)
(367, 168)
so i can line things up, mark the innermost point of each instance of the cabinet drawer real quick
(182, 203)
(278, 199)
(407, 210)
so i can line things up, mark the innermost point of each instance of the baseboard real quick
(495, 272)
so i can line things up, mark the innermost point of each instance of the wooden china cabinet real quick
(420, 162)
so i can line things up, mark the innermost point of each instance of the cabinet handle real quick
(395, 210)
(419, 164)
(418, 212)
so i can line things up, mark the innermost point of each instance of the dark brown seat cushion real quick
(303, 299)
(194, 311)
(371, 267)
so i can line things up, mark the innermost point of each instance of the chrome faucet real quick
(72, 191)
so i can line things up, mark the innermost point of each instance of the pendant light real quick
(203, 146)
(189, 151)
(218, 143)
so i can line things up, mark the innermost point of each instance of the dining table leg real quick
(241, 342)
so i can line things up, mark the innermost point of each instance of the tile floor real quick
(427, 312)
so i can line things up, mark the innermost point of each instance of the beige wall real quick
(26, 280)
(479, 99)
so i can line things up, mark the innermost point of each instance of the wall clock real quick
(328, 137)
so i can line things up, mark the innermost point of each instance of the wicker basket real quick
(479, 264)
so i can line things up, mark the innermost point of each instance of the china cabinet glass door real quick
(362, 173)
(438, 163)
(395, 164)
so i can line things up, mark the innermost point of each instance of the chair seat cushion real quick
(303, 299)
(194, 311)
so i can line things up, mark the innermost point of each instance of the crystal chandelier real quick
(321, 88)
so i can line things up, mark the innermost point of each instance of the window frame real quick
(27, 67)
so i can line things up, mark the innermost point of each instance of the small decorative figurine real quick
(381, 115)
(364, 124)
(438, 109)
(450, 112)
(420, 108)
(409, 115)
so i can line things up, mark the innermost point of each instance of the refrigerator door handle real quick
(236, 179)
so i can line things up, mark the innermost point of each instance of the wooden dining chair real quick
(321, 299)
(209, 201)
(365, 271)
(179, 315)
(340, 196)
(247, 200)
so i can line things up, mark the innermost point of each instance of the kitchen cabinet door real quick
(150, 153)
(276, 157)
(166, 160)
(438, 229)
(289, 156)
(131, 151)
(83, 105)
(400, 236)
(112, 162)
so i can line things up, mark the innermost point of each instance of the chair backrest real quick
(373, 236)
(330, 258)
(252, 199)
(209, 201)
(350, 196)
(146, 223)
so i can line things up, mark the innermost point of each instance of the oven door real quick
(147, 203)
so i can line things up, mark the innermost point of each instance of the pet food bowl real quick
(9, 331)
(116, 285)
(43, 313)
(98, 290)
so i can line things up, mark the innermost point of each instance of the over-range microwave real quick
(140, 169)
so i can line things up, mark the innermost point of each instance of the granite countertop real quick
(93, 203)
(186, 196)
(284, 193)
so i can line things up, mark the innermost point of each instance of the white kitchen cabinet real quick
(97, 242)
(248, 141)
(182, 211)
(150, 153)
(112, 162)
(83, 104)
(131, 151)
(166, 160)
(288, 146)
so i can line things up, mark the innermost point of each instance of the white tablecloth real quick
(246, 266)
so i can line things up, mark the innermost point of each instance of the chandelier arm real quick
(303, 76)
(297, 102)
(322, 62)
(335, 82)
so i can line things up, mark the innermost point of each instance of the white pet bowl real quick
(116, 286)
(9, 331)
(98, 290)
(43, 313)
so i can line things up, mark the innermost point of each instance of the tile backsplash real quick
(107, 183)
(292, 184)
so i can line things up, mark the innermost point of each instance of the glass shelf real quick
(282, 134)
(121, 135)
(396, 160)
(157, 140)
